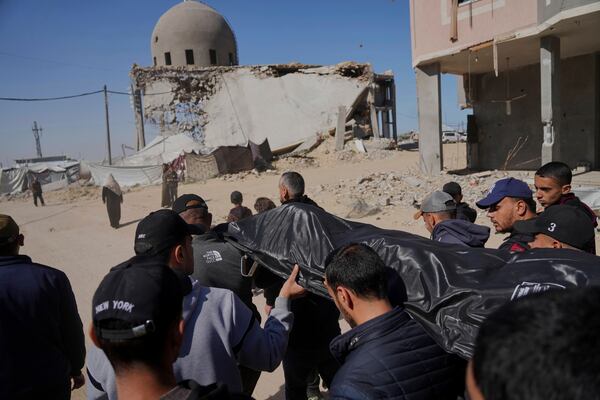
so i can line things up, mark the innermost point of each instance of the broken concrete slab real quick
(229, 106)
(359, 208)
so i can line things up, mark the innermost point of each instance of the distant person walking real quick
(238, 212)
(164, 200)
(36, 189)
(112, 196)
(172, 181)
(42, 348)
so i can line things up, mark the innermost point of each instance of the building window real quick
(155, 39)
(213, 56)
(231, 59)
(167, 58)
(154, 61)
(462, 2)
(189, 57)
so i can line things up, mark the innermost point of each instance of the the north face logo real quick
(212, 256)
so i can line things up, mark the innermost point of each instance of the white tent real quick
(163, 150)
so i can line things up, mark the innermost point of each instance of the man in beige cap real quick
(438, 210)
(41, 340)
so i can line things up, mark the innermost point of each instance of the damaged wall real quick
(230, 106)
(579, 124)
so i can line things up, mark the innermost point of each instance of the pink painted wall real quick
(431, 23)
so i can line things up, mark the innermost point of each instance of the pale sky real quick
(66, 47)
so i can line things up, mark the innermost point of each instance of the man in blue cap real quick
(510, 200)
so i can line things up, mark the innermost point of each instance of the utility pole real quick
(139, 117)
(107, 125)
(37, 131)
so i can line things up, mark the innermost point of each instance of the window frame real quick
(189, 57)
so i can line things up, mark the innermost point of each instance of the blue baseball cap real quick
(507, 187)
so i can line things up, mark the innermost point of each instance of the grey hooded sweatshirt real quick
(220, 333)
(458, 231)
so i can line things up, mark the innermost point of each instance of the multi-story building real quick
(529, 69)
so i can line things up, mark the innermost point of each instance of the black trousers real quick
(37, 196)
(298, 365)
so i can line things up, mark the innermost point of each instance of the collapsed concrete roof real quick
(231, 106)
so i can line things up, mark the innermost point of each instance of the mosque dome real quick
(192, 33)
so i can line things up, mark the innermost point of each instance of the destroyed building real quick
(529, 70)
(233, 117)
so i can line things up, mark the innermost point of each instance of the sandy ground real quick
(77, 238)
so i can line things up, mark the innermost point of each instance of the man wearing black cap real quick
(137, 322)
(42, 347)
(220, 331)
(463, 211)
(559, 227)
(217, 264)
(510, 200)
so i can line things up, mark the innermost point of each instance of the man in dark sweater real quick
(463, 211)
(553, 187)
(386, 354)
(42, 348)
(508, 201)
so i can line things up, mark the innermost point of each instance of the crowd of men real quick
(178, 321)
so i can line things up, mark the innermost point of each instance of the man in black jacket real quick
(315, 321)
(386, 354)
(216, 262)
(42, 347)
(291, 189)
(463, 211)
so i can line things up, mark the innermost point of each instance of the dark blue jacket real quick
(458, 231)
(41, 336)
(391, 357)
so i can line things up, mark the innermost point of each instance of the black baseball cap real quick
(143, 297)
(567, 224)
(160, 230)
(187, 202)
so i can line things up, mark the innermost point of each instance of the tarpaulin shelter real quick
(448, 289)
(183, 153)
(52, 176)
(126, 176)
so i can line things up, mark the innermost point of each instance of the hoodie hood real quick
(461, 232)
(111, 183)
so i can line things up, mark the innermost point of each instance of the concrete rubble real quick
(231, 106)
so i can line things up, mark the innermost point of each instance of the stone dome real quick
(192, 33)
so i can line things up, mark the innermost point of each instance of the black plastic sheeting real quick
(449, 289)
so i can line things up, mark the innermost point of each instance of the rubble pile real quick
(405, 189)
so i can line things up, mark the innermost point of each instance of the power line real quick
(50, 98)
(74, 96)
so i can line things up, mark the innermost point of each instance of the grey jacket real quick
(220, 332)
